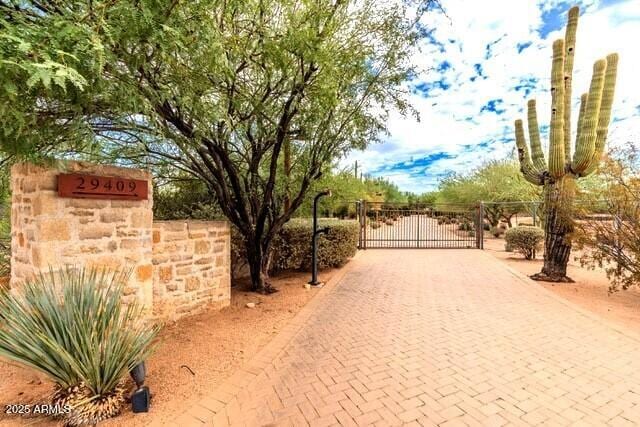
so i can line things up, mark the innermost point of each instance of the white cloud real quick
(503, 25)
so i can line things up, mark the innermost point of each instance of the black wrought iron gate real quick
(389, 225)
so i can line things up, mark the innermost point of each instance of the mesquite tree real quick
(559, 173)
(218, 89)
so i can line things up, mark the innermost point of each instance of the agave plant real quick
(72, 326)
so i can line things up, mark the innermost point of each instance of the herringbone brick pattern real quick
(448, 337)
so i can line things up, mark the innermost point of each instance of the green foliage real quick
(46, 60)
(495, 181)
(525, 239)
(185, 199)
(466, 225)
(216, 89)
(346, 189)
(496, 231)
(73, 327)
(292, 248)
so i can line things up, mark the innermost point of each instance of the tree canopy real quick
(495, 181)
(215, 89)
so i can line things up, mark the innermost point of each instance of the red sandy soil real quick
(212, 344)
(590, 290)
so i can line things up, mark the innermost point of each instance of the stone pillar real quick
(48, 231)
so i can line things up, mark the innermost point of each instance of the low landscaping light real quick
(314, 238)
(141, 398)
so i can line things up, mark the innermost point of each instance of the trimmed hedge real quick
(525, 239)
(292, 248)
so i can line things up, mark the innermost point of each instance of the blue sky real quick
(480, 64)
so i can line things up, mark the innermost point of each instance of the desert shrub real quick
(613, 245)
(389, 221)
(508, 247)
(612, 241)
(440, 220)
(375, 224)
(503, 226)
(486, 226)
(73, 327)
(447, 220)
(345, 210)
(453, 220)
(291, 250)
(525, 239)
(465, 226)
(496, 231)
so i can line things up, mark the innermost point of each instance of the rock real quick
(307, 286)
(251, 305)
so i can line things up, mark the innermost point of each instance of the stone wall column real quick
(48, 231)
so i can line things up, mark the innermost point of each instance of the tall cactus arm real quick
(526, 166)
(605, 112)
(556, 137)
(569, 47)
(586, 145)
(537, 156)
(583, 106)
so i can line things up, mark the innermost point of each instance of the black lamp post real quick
(316, 233)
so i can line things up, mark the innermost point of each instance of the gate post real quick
(480, 228)
(364, 224)
(360, 222)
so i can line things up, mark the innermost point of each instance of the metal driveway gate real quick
(402, 225)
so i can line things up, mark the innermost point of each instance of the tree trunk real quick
(259, 260)
(287, 173)
(492, 216)
(558, 226)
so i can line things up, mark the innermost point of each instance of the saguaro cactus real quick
(559, 173)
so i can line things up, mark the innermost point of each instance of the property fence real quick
(403, 225)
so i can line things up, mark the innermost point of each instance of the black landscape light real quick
(314, 238)
(138, 373)
(141, 398)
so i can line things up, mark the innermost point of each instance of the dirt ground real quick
(193, 356)
(590, 290)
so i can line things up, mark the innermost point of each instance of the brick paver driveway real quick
(436, 337)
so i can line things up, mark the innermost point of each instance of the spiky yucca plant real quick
(72, 326)
(559, 173)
